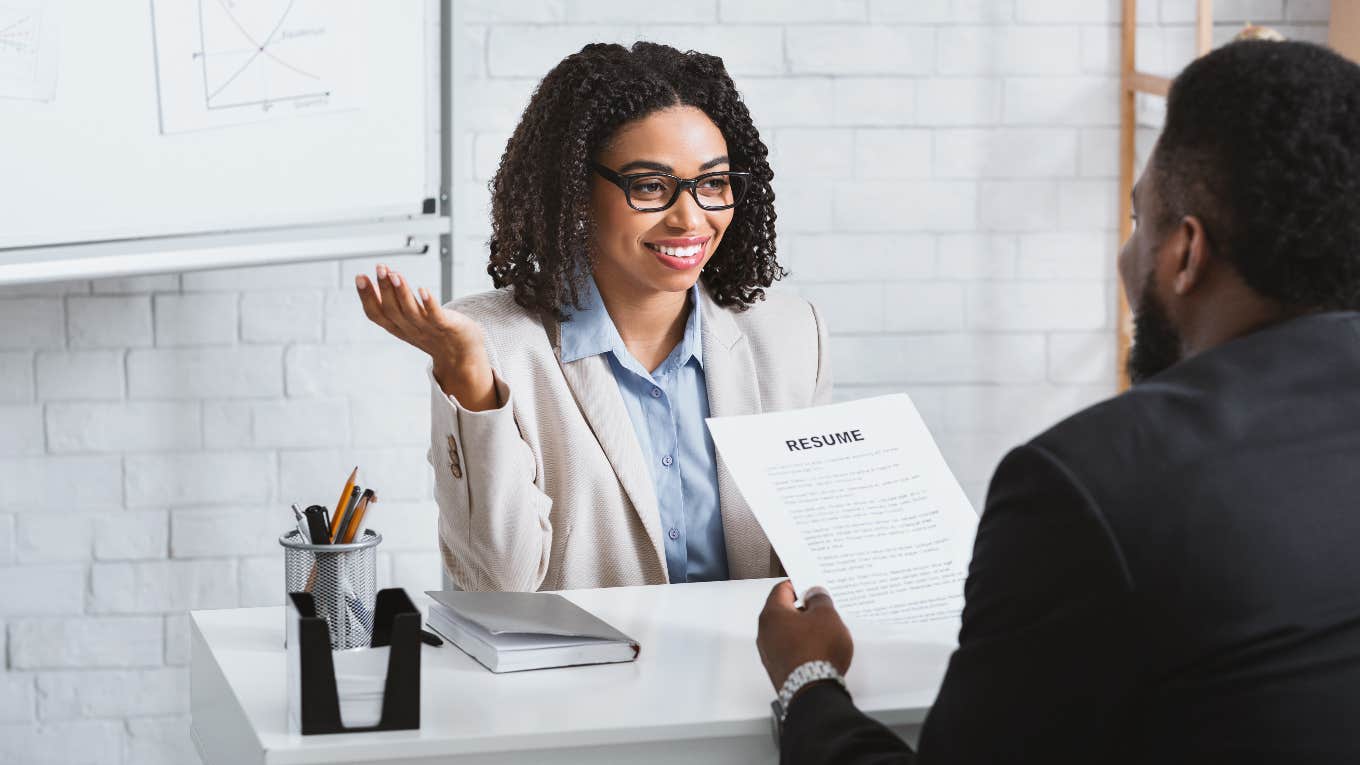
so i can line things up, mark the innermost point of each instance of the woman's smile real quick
(680, 254)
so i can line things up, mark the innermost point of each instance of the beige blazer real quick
(551, 490)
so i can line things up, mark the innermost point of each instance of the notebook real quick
(514, 631)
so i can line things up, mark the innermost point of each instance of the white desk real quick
(697, 693)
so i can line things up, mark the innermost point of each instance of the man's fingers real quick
(782, 596)
(817, 598)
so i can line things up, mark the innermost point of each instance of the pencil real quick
(355, 524)
(343, 502)
(349, 512)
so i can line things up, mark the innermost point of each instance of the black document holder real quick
(396, 623)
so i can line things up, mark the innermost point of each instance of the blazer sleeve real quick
(494, 527)
(821, 393)
(1046, 650)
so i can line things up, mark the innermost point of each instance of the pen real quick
(301, 521)
(320, 534)
(338, 525)
(360, 612)
(354, 525)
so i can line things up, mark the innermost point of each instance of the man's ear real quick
(1190, 248)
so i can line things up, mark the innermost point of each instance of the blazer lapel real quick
(597, 393)
(730, 374)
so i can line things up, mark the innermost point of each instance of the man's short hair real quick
(1262, 143)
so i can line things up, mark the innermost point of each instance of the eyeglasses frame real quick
(692, 184)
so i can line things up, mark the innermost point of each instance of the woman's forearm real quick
(473, 385)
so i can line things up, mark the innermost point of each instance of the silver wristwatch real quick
(807, 672)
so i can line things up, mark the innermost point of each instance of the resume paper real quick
(857, 500)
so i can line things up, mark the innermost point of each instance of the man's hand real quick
(789, 636)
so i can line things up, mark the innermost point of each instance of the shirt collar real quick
(590, 331)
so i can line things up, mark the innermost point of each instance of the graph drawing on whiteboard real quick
(229, 62)
(28, 56)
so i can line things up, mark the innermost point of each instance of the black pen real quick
(316, 521)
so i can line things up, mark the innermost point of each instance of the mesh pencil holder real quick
(343, 581)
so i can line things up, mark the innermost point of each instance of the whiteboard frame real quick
(372, 236)
(450, 18)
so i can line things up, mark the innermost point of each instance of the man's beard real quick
(1156, 343)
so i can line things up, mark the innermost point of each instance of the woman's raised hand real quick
(453, 341)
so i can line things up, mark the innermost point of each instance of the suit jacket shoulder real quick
(1188, 442)
(497, 312)
(780, 316)
(784, 332)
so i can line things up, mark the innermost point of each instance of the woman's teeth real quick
(678, 252)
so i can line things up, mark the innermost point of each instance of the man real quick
(1172, 575)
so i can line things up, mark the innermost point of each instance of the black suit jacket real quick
(1170, 576)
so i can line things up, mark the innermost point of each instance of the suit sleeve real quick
(823, 726)
(1046, 652)
(494, 526)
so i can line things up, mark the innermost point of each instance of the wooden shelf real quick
(1133, 82)
(1343, 30)
(1155, 84)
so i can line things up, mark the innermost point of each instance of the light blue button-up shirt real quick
(667, 407)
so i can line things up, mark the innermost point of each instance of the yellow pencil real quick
(343, 503)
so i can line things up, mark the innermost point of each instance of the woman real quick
(633, 234)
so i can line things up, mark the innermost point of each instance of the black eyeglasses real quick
(654, 192)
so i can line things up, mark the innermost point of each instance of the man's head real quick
(1249, 209)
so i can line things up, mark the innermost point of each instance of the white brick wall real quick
(84, 642)
(66, 375)
(946, 195)
(32, 323)
(109, 322)
(196, 319)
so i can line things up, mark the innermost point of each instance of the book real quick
(515, 631)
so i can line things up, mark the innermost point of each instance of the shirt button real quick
(673, 533)
(656, 393)
(667, 460)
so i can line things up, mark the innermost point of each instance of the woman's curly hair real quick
(540, 198)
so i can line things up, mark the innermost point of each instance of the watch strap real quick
(803, 674)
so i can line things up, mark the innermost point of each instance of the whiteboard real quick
(153, 120)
